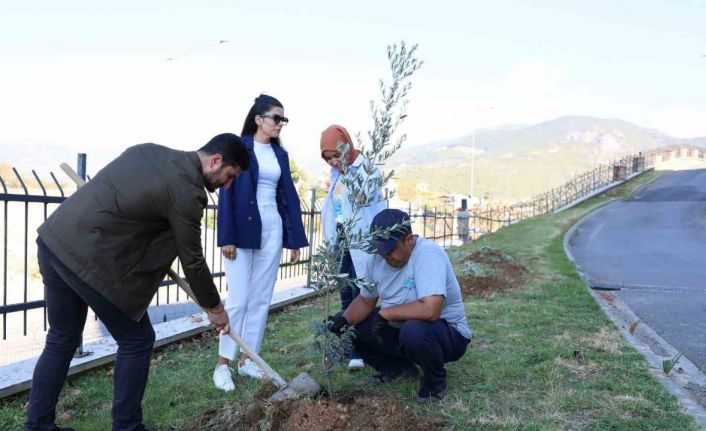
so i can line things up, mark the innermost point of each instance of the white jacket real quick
(365, 215)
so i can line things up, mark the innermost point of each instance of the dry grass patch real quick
(492, 420)
(606, 340)
(565, 336)
(580, 368)
(629, 399)
(572, 421)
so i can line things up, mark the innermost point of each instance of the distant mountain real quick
(44, 157)
(519, 161)
(699, 142)
(511, 161)
(34, 154)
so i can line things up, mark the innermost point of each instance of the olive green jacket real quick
(121, 231)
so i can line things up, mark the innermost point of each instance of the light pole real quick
(473, 152)
(473, 162)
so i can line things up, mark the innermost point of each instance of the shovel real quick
(302, 385)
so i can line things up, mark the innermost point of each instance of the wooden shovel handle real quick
(272, 374)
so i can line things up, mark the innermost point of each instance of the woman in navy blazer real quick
(258, 215)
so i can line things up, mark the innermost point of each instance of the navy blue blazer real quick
(239, 221)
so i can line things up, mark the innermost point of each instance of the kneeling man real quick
(421, 319)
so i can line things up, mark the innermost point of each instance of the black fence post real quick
(312, 211)
(463, 224)
(444, 224)
(81, 165)
(424, 222)
(436, 220)
(453, 219)
(81, 171)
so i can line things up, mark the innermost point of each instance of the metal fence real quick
(28, 202)
(487, 219)
(438, 225)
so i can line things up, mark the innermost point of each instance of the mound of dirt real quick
(488, 270)
(351, 412)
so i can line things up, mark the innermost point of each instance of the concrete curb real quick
(17, 377)
(644, 339)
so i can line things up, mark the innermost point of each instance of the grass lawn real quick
(519, 373)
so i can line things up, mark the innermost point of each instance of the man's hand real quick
(294, 256)
(379, 326)
(335, 324)
(219, 318)
(229, 252)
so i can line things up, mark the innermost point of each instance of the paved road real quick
(653, 246)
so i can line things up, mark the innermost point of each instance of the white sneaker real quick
(250, 369)
(222, 378)
(356, 364)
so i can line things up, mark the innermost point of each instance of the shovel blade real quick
(301, 386)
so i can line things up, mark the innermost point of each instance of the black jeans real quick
(427, 344)
(68, 299)
(350, 291)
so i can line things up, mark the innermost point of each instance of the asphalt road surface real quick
(653, 247)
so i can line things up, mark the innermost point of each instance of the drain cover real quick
(608, 285)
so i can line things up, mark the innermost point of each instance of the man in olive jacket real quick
(109, 245)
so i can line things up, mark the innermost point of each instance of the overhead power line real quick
(196, 50)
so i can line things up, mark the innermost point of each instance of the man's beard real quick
(211, 180)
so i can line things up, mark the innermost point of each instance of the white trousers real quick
(251, 280)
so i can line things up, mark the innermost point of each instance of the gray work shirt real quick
(428, 272)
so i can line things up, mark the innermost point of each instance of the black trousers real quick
(430, 345)
(68, 299)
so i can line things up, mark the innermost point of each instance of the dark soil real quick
(350, 412)
(487, 271)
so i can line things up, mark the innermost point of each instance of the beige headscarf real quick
(332, 136)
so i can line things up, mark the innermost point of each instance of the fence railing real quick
(26, 204)
(487, 219)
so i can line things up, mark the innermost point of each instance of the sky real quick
(96, 76)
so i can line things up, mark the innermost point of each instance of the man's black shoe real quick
(427, 396)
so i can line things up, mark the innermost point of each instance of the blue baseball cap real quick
(384, 236)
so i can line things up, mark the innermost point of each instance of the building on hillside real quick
(391, 193)
(455, 200)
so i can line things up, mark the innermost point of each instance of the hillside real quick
(13, 185)
(516, 162)
(44, 157)
(512, 161)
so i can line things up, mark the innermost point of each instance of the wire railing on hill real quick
(487, 219)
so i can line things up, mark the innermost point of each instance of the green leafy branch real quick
(364, 188)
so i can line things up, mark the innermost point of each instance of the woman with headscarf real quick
(349, 164)
(258, 215)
